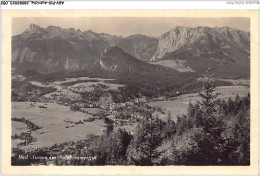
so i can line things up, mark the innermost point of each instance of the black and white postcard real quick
(171, 89)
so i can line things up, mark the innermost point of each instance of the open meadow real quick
(58, 124)
(179, 105)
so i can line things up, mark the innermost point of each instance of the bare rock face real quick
(200, 40)
(173, 40)
(226, 49)
(33, 29)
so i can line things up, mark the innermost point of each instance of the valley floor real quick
(59, 124)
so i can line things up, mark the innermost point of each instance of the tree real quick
(231, 106)
(110, 148)
(202, 127)
(211, 142)
(169, 116)
(237, 134)
(208, 102)
(121, 140)
(170, 127)
(143, 149)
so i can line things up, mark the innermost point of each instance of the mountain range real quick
(55, 49)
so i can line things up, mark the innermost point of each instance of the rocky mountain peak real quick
(200, 40)
(53, 29)
(34, 28)
(72, 29)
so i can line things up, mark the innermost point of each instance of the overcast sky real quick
(151, 26)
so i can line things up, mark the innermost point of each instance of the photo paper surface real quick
(130, 92)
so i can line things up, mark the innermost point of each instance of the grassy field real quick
(62, 93)
(176, 107)
(179, 105)
(93, 110)
(82, 86)
(232, 91)
(18, 128)
(16, 142)
(73, 91)
(58, 123)
(89, 86)
(244, 82)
